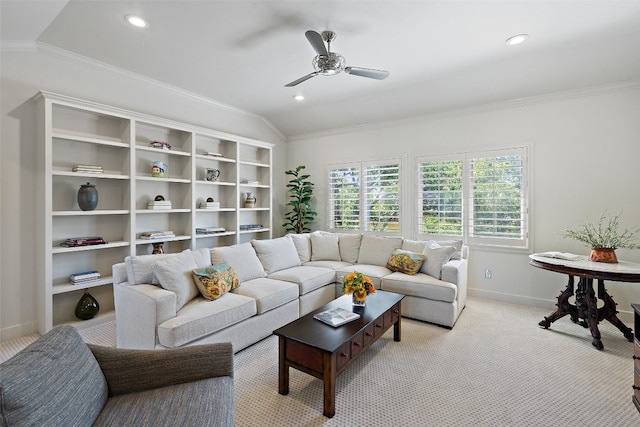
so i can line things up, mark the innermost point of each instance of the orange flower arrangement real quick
(359, 285)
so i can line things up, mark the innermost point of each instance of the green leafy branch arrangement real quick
(604, 234)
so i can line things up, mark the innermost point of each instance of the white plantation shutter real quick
(440, 197)
(497, 201)
(381, 196)
(344, 197)
(480, 196)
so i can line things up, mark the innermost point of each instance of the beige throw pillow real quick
(174, 274)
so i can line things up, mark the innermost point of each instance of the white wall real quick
(25, 73)
(585, 152)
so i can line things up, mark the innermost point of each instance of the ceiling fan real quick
(327, 63)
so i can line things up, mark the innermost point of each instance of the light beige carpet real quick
(497, 367)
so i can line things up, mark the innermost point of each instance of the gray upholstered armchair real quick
(61, 381)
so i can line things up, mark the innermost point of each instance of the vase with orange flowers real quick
(358, 286)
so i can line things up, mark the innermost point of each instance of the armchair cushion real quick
(54, 381)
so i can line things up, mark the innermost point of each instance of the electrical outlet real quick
(487, 274)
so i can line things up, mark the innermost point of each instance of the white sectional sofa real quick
(158, 305)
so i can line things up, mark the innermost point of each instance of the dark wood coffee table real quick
(324, 352)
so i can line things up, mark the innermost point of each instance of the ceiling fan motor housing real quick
(330, 64)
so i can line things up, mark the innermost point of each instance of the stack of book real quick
(88, 168)
(160, 144)
(153, 235)
(84, 278)
(73, 242)
(159, 204)
(250, 226)
(210, 230)
(250, 181)
(210, 205)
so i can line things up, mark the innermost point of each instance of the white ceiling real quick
(441, 54)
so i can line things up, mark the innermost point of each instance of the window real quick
(480, 196)
(365, 196)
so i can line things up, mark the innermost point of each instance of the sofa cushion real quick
(276, 254)
(159, 407)
(302, 243)
(200, 317)
(268, 293)
(376, 250)
(436, 257)
(202, 256)
(54, 381)
(242, 258)
(139, 268)
(413, 245)
(457, 244)
(405, 261)
(334, 265)
(349, 245)
(215, 280)
(324, 246)
(174, 274)
(420, 285)
(307, 278)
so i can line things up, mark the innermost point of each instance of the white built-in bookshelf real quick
(72, 132)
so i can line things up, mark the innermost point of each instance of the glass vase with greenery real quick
(300, 190)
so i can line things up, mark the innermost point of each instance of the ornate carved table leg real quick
(564, 307)
(592, 312)
(608, 312)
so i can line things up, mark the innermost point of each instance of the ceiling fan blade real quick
(302, 79)
(367, 72)
(316, 42)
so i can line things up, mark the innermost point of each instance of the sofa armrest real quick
(139, 311)
(455, 271)
(131, 371)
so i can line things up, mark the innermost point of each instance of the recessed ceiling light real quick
(298, 97)
(136, 21)
(513, 40)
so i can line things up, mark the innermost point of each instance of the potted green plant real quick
(604, 237)
(300, 190)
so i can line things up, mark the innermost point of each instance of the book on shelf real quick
(87, 168)
(336, 316)
(84, 281)
(85, 275)
(250, 181)
(83, 241)
(156, 234)
(561, 255)
(210, 230)
(210, 205)
(251, 227)
(159, 204)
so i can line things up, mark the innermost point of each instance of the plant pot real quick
(607, 255)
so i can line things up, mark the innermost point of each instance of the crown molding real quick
(476, 109)
(33, 46)
(9, 46)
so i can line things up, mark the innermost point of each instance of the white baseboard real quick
(17, 331)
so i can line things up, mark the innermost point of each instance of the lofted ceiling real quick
(441, 55)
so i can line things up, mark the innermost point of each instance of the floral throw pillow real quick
(215, 280)
(405, 261)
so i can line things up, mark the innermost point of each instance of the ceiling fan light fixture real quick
(329, 65)
(517, 39)
(136, 21)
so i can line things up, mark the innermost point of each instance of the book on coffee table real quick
(336, 317)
